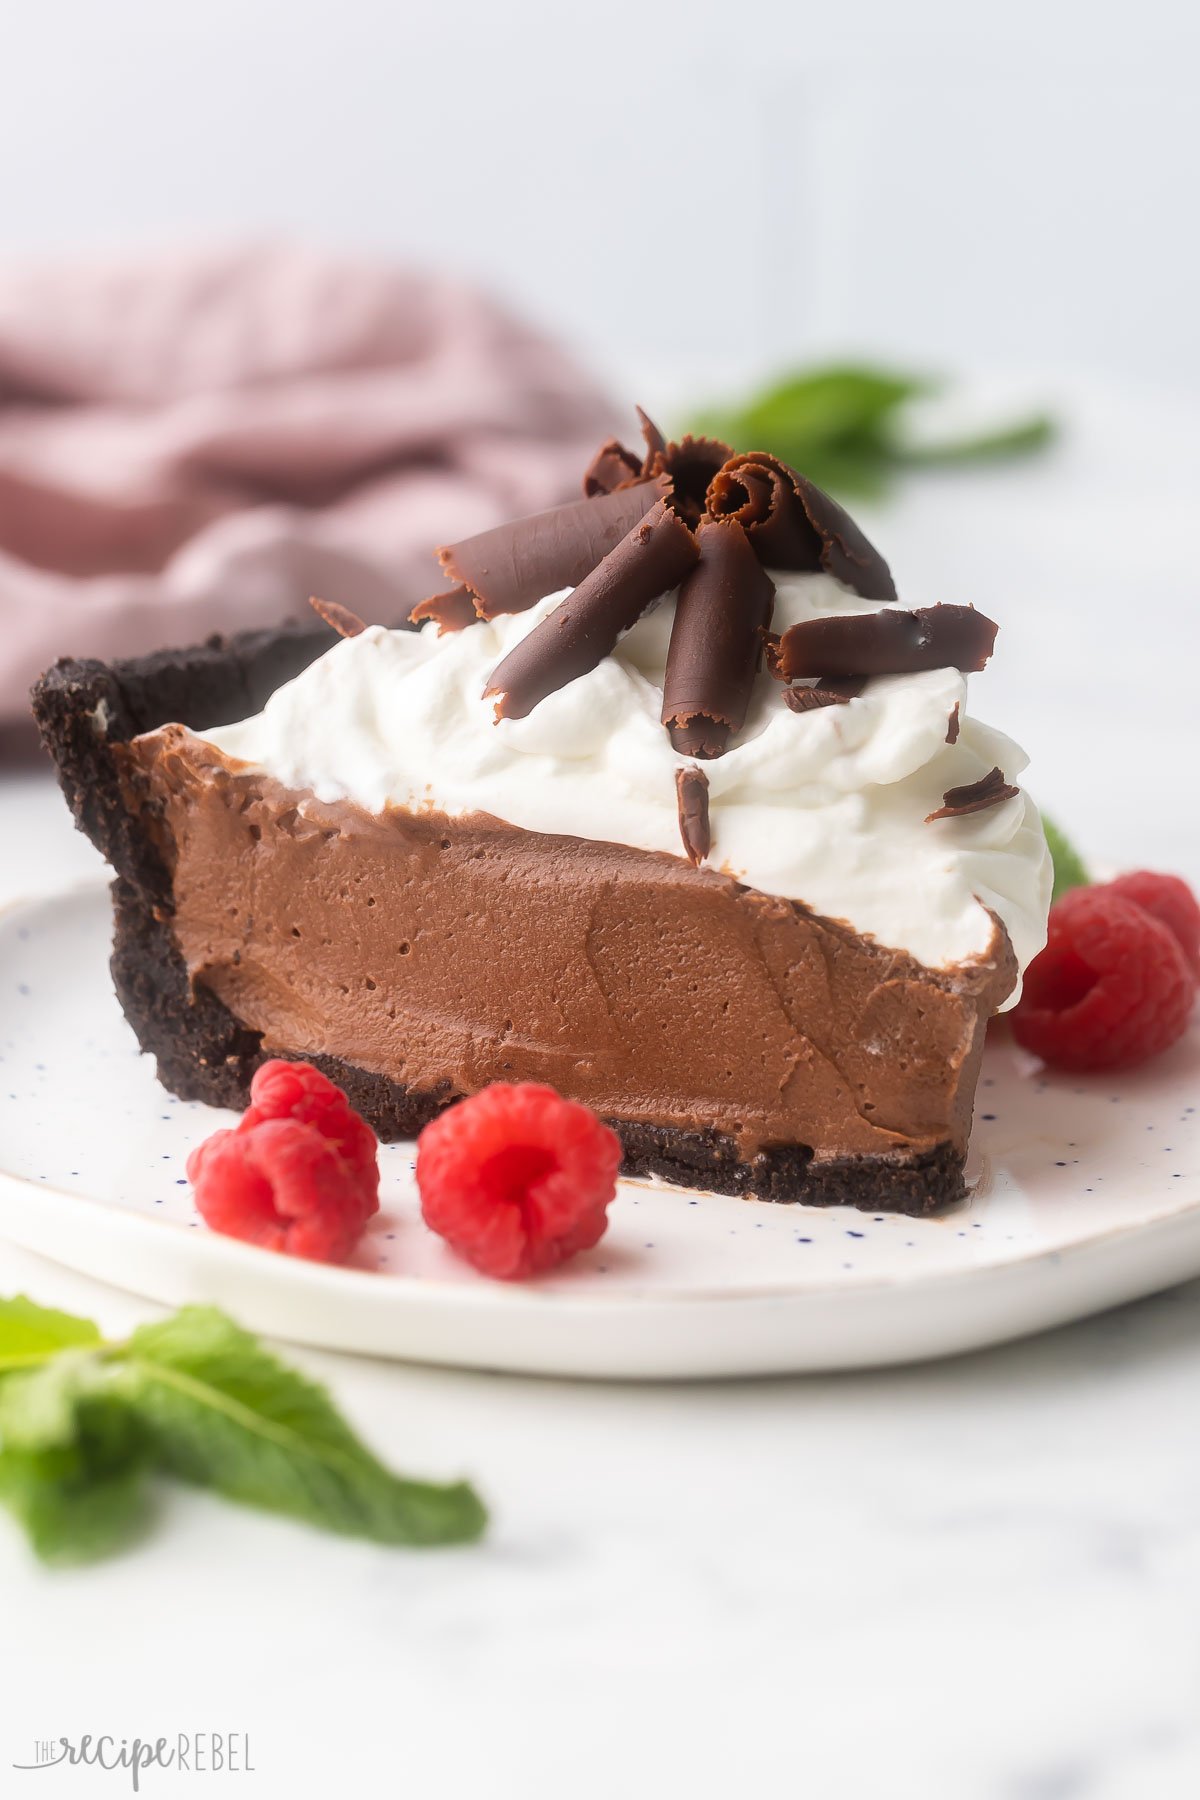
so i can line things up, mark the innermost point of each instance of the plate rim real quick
(406, 1298)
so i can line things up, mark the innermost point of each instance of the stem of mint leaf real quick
(1020, 439)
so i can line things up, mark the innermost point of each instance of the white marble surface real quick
(979, 1579)
(973, 1581)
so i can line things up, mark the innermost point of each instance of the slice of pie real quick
(669, 802)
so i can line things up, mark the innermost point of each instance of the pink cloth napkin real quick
(195, 443)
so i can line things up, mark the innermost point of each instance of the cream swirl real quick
(826, 807)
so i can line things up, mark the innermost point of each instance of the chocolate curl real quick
(584, 628)
(454, 610)
(793, 524)
(829, 691)
(691, 798)
(952, 725)
(722, 610)
(691, 466)
(974, 796)
(612, 467)
(884, 643)
(513, 566)
(338, 618)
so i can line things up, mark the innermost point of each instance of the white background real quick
(979, 1581)
(700, 183)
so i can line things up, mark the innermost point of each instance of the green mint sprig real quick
(1070, 871)
(842, 424)
(84, 1422)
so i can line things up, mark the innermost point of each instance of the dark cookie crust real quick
(85, 709)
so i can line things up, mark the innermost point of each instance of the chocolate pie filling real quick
(445, 954)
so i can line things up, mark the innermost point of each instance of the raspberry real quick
(1170, 901)
(517, 1179)
(1111, 988)
(298, 1173)
(292, 1090)
(281, 1185)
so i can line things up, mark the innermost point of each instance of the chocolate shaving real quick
(691, 466)
(884, 643)
(974, 796)
(830, 690)
(652, 437)
(612, 467)
(584, 628)
(454, 610)
(691, 795)
(716, 641)
(793, 524)
(338, 618)
(513, 566)
(952, 725)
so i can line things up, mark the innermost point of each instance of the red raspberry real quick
(1111, 988)
(517, 1179)
(280, 1185)
(295, 1090)
(1169, 900)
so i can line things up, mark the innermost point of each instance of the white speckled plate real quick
(1087, 1193)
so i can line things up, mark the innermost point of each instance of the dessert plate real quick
(1086, 1193)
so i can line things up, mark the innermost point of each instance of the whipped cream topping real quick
(826, 807)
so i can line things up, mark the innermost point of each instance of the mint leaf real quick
(74, 1520)
(826, 406)
(30, 1333)
(224, 1413)
(841, 425)
(1069, 868)
(82, 1421)
(39, 1407)
(72, 1456)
